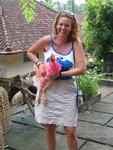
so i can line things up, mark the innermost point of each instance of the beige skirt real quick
(61, 105)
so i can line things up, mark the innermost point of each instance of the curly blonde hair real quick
(74, 34)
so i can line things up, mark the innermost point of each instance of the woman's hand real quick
(51, 77)
(41, 68)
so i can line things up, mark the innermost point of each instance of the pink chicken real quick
(52, 70)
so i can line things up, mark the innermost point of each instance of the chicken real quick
(52, 70)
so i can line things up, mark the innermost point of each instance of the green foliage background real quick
(98, 26)
(28, 9)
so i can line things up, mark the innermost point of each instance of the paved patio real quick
(95, 128)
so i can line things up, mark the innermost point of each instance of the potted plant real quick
(89, 85)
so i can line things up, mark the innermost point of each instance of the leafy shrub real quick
(88, 84)
(99, 66)
(98, 26)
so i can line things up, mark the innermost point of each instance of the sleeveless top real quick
(66, 60)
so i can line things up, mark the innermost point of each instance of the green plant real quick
(98, 26)
(99, 65)
(88, 84)
(28, 9)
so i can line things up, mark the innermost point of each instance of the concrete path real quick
(95, 128)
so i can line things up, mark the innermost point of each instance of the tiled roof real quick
(16, 35)
(80, 17)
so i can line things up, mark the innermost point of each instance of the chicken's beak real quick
(52, 58)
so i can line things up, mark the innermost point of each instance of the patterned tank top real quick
(66, 60)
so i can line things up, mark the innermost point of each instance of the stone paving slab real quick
(110, 124)
(17, 109)
(25, 119)
(83, 128)
(95, 117)
(22, 137)
(105, 90)
(108, 99)
(95, 132)
(90, 128)
(103, 107)
(96, 146)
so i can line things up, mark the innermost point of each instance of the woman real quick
(61, 108)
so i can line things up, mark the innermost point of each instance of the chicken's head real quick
(52, 58)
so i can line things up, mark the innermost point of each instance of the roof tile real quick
(15, 33)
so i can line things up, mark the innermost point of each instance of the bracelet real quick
(37, 63)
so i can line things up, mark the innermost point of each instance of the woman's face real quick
(64, 26)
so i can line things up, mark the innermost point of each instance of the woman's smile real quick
(64, 26)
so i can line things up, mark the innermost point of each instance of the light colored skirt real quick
(61, 105)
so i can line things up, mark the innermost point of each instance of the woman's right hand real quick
(42, 69)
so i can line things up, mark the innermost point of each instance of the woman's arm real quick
(79, 56)
(38, 46)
